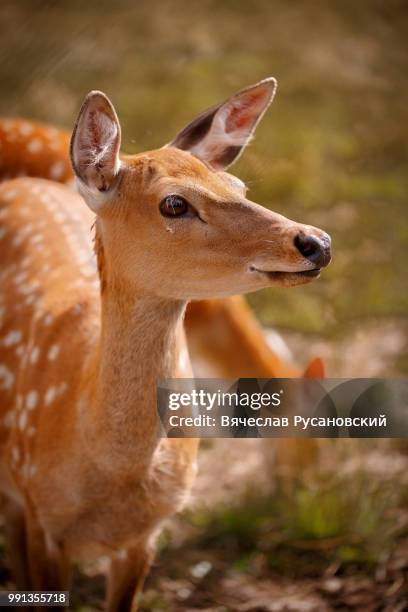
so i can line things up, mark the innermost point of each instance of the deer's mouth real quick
(289, 277)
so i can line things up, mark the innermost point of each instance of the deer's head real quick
(173, 223)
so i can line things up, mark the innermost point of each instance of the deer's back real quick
(48, 317)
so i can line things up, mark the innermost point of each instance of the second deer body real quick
(83, 473)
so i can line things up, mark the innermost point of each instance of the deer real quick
(83, 471)
(224, 337)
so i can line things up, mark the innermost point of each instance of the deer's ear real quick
(219, 135)
(95, 144)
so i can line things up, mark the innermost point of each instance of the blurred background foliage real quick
(329, 531)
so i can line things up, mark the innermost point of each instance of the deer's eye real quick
(173, 206)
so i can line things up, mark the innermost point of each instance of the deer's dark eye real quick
(173, 206)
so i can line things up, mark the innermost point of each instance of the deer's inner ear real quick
(95, 143)
(219, 135)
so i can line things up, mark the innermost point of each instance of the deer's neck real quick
(141, 340)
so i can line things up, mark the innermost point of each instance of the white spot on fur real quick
(30, 300)
(10, 194)
(6, 378)
(122, 554)
(53, 352)
(13, 337)
(15, 454)
(60, 217)
(50, 395)
(25, 129)
(57, 170)
(20, 278)
(22, 422)
(62, 387)
(51, 133)
(81, 406)
(34, 355)
(18, 240)
(25, 469)
(35, 145)
(25, 262)
(48, 319)
(31, 400)
(37, 238)
(24, 289)
(20, 350)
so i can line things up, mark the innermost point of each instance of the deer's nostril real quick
(312, 248)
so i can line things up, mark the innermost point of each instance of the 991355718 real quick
(34, 598)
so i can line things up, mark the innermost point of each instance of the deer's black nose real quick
(317, 250)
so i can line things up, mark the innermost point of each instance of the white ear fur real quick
(219, 135)
(95, 146)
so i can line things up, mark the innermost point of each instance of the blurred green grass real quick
(332, 150)
(343, 512)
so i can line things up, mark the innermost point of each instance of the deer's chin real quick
(288, 279)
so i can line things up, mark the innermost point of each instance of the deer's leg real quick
(126, 577)
(15, 530)
(50, 568)
(225, 334)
